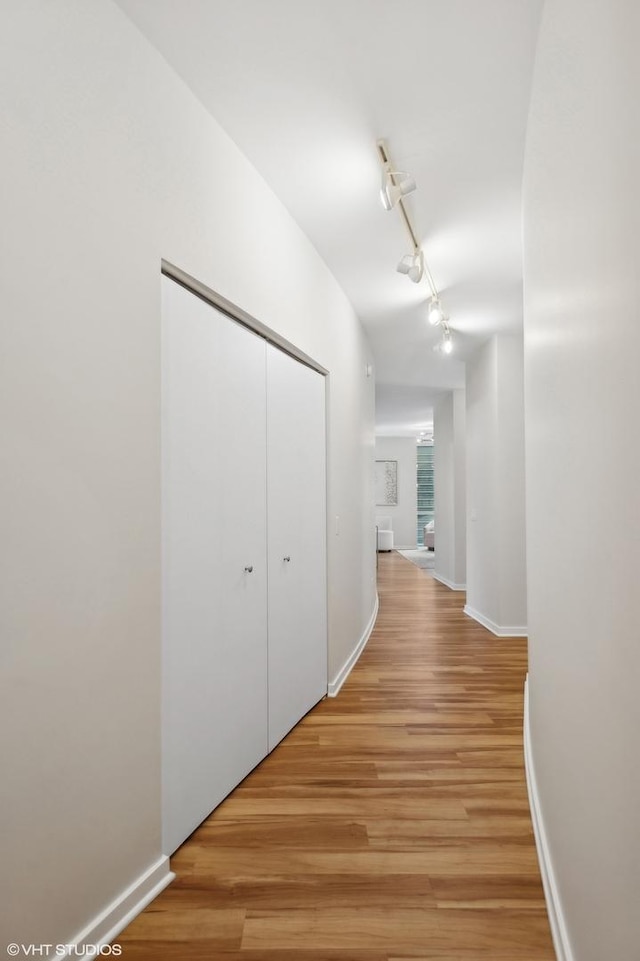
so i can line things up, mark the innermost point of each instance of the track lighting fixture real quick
(395, 185)
(446, 345)
(413, 266)
(436, 313)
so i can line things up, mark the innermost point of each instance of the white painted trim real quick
(347, 667)
(557, 922)
(447, 582)
(107, 925)
(493, 627)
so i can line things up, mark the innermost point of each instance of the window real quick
(425, 488)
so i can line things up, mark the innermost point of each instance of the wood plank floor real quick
(391, 824)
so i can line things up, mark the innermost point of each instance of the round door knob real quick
(249, 569)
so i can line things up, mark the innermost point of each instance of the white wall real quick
(511, 481)
(405, 515)
(496, 568)
(444, 487)
(449, 424)
(109, 164)
(460, 485)
(582, 343)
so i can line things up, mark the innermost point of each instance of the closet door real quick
(214, 558)
(296, 500)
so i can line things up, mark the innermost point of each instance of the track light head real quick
(436, 313)
(413, 266)
(395, 184)
(445, 346)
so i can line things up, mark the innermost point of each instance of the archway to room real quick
(404, 490)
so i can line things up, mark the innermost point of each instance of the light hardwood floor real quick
(391, 824)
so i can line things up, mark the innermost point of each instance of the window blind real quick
(425, 488)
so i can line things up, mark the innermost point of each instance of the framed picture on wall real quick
(386, 483)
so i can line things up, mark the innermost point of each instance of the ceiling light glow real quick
(447, 341)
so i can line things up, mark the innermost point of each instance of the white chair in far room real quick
(385, 533)
(429, 535)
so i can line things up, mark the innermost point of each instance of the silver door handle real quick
(249, 569)
(287, 558)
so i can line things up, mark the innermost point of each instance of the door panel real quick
(214, 526)
(296, 499)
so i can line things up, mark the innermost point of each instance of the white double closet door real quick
(244, 553)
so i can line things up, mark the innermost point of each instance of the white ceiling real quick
(306, 88)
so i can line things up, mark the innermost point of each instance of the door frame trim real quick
(238, 314)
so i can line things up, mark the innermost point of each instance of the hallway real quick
(392, 823)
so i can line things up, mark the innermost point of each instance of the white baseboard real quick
(557, 923)
(107, 925)
(447, 582)
(496, 629)
(335, 685)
